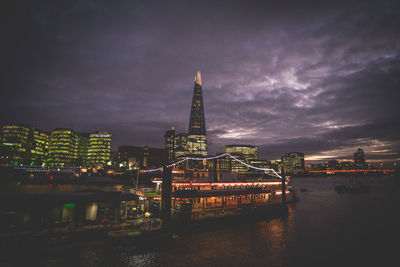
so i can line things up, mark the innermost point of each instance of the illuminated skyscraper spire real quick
(197, 123)
(197, 79)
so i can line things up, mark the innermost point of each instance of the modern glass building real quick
(23, 145)
(194, 143)
(293, 162)
(244, 153)
(14, 144)
(30, 146)
(38, 147)
(99, 149)
(63, 148)
(181, 146)
(247, 151)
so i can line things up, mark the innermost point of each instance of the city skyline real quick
(323, 81)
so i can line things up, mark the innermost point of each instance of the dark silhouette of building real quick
(170, 143)
(333, 164)
(359, 157)
(142, 157)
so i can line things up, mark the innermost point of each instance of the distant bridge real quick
(354, 171)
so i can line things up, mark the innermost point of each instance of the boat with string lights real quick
(204, 190)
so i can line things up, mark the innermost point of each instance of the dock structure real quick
(283, 185)
(166, 196)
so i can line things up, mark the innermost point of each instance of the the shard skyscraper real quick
(197, 137)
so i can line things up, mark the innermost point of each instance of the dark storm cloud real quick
(321, 78)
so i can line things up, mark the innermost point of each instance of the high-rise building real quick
(99, 148)
(63, 148)
(39, 146)
(29, 146)
(181, 149)
(197, 137)
(23, 145)
(14, 140)
(359, 157)
(293, 162)
(244, 153)
(194, 143)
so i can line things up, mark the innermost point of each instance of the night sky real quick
(321, 78)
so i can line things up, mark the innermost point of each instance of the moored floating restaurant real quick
(229, 196)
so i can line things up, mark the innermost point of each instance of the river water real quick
(324, 228)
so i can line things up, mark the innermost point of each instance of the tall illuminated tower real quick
(197, 137)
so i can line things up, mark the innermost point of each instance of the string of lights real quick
(216, 157)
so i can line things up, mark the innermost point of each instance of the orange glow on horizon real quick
(222, 184)
(333, 171)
